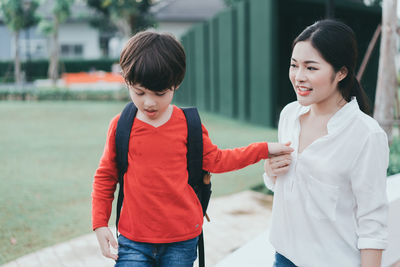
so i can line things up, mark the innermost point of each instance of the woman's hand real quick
(277, 165)
(106, 239)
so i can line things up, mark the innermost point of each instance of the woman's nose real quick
(300, 76)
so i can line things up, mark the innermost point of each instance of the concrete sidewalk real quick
(235, 220)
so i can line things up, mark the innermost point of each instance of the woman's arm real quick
(371, 257)
(368, 183)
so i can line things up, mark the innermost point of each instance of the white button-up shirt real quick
(332, 202)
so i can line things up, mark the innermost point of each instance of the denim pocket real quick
(182, 253)
(130, 252)
(123, 241)
(321, 200)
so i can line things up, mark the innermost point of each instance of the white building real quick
(77, 38)
(177, 16)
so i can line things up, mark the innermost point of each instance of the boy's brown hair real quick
(156, 61)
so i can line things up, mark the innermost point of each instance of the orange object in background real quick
(92, 77)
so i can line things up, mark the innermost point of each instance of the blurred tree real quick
(60, 10)
(18, 15)
(128, 16)
(103, 23)
(386, 90)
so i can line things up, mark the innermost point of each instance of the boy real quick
(161, 217)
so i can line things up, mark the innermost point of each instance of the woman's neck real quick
(328, 107)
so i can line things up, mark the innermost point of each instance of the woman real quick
(330, 206)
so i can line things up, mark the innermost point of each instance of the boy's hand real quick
(106, 238)
(277, 149)
(207, 178)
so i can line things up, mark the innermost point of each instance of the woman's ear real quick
(342, 73)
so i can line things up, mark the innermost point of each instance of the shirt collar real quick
(341, 119)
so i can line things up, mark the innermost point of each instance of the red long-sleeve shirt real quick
(159, 204)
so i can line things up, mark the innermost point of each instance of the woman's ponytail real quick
(361, 96)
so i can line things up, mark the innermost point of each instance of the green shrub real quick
(72, 66)
(65, 94)
(37, 69)
(394, 159)
(262, 189)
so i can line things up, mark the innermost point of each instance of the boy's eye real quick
(160, 94)
(139, 93)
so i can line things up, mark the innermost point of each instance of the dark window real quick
(65, 50)
(71, 50)
(78, 50)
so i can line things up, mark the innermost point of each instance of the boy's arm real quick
(223, 160)
(106, 240)
(105, 181)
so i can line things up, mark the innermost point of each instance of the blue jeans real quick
(138, 254)
(282, 261)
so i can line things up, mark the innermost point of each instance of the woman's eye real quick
(293, 65)
(311, 68)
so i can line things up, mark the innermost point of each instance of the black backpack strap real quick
(194, 147)
(200, 244)
(122, 136)
(195, 157)
(195, 166)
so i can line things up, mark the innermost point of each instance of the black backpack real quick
(194, 160)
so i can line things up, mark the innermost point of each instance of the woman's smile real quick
(303, 91)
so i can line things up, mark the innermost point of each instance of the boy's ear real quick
(175, 88)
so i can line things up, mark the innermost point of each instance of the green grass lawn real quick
(49, 152)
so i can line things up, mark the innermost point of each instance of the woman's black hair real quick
(336, 43)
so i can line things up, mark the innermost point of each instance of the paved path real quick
(235, 220)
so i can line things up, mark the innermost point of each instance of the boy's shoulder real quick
(114, 121)
(178, 113)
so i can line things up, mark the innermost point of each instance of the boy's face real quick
(149, 103)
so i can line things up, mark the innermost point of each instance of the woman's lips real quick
(303, 91)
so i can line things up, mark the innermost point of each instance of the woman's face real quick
(314, 80)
